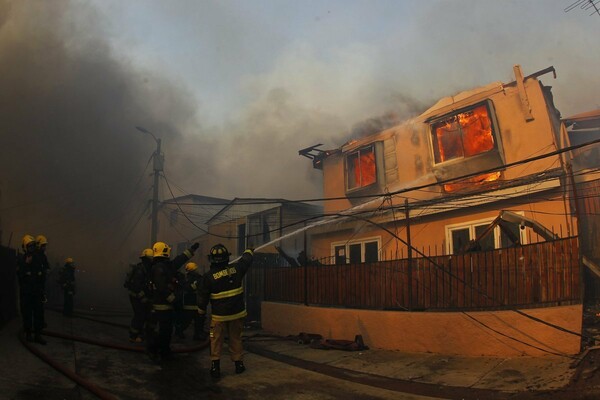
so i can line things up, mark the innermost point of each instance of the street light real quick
(158, 162)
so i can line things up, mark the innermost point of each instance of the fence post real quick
(409, 249)
(305, 270)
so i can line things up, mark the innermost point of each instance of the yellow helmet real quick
(191, 266)
(41, 240)
(27, 241)
(161, 249)
(69, 260)
(147, 253)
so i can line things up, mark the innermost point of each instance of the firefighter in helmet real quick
(223, 287)
(192, 286)
(67, 282)
(31, 275)
(162, 285)
(41, 243)
(136, 282)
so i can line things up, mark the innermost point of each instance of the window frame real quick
(494, 127)
(377, 147)
(472, 225)
(347, 243)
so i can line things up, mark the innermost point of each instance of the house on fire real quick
(468, 207)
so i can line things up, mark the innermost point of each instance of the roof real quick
(244, 207)
(197, 199)
(585, 120)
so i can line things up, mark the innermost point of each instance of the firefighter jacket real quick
(31, 274)
(136, 280)
(223, 287)
(67, 278)
(163, 280)
(191, 287)
(43, 259)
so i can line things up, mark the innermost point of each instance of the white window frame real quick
(362, 243)
(474, 223)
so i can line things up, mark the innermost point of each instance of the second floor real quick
(463, 143)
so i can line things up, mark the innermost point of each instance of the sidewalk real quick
(506, 375)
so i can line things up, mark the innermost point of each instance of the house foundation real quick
(477, 333)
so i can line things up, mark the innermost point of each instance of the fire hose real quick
(78, 379)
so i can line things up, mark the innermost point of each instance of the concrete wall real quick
(451, 333)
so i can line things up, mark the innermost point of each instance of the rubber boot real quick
(239, 367)
(215, 369)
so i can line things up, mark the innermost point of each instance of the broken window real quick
(459, 236)
(462, 135)
(361, 168)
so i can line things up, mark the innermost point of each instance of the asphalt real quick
(388, 374)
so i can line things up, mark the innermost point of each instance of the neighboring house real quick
(585, 128)
(455, 167)
(249, 222)
(181, 219)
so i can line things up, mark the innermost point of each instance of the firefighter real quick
(223, 288)
(192, 286)
(30, 273)
(178, 316)
(67, 282)
(162, 285)
(136, 283)
(41, 243)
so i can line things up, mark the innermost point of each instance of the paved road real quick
(129, 375)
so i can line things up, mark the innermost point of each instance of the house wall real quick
(449, 333)
(428, 234)
(226, 234)
(520, 139)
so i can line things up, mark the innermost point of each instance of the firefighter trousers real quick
(140, 315)
(232, 329)
(68, 302)
(160, 343)
(32, 312)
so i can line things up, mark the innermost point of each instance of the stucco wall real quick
(451, 333)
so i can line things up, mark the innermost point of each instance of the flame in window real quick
(476, 180)
(362, 169)
(463, 135)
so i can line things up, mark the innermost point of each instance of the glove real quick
(201, 312)
(171, 298)
(195, 246)
(44, 298)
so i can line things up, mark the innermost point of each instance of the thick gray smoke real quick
(72, 164)
(70, 155)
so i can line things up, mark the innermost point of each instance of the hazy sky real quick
(350, 58)
(235, 89)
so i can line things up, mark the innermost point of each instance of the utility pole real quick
(158, 162)
(158, 167)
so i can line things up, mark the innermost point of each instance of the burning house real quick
(468, 207)
(454, 168)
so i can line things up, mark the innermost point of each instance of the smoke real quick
(74, 168)
(70, 155)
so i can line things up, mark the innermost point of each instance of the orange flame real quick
(476, 180)
(464, 135)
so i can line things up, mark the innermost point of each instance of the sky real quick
(234, 89)
(286, 75)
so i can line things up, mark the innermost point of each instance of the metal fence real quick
(530, 275)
